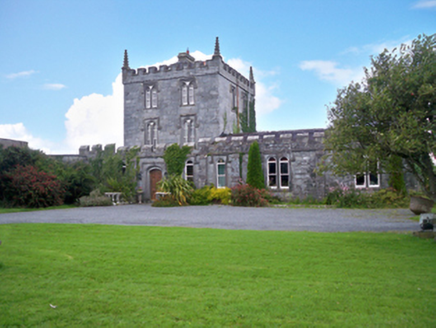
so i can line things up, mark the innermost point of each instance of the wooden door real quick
(155, 177)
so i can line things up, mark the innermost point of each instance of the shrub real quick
(246, 195)
(351, 198)
(165, 202)
(180, 189)
(390, 198)
(200, 196)
(95, 199)
(26, 186)
(220, 195)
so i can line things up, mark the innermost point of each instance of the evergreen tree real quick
(254, 168)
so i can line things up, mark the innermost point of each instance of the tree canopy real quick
(391, 114)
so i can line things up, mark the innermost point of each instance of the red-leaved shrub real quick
(246, 195)
(32, 188)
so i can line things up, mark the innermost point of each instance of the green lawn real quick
(98, 275)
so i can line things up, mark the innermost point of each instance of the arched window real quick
(150, 97)
(221, 173)
(272, 173)
(151, 133)
(189, 171)
(189, 131)
(284, 173)
(188, 93)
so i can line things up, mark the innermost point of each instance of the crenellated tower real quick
(185, 101)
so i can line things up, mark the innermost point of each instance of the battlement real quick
(303, 138)
(187, 65)
(196, 68)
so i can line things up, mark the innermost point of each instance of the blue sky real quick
(60, 60)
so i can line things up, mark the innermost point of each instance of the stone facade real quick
(5, 143)
(183, 102)
(199, 103)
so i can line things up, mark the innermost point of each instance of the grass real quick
(21, 209)
(98, 275)
(417, 217)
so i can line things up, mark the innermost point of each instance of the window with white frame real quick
(284, 173)
(221, 173)
(150, 97)
(369, 179)
(189, 171)
(151, 133)
(272, 172)
(188, 93)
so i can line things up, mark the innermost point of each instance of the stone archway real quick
(155, 177)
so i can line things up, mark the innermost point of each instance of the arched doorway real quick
(155, 177)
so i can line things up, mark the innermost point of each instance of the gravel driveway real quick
(228, 217)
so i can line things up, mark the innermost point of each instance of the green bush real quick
(200, 196)
(246, 195)
(165, 202)
(180, 189)
(352, 198)
(95, 199)
(220, 195)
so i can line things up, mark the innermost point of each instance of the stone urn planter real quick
(139, 194)
(419, 205)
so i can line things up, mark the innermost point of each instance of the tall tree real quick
(255, 176)
(390, 114)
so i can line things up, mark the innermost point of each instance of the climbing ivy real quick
(248, 118)
(175, 158)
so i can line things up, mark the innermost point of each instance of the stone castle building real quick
(203, 104)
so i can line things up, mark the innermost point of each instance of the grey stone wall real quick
(213, 109)
(15, 143)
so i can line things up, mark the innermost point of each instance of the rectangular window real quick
(189, 171)
(360, 181)
(154, 98)
(147, 98)
(191, 94)
(272, 173)
(284, 173)
(221, 174)
(370, 179)
(185, 95)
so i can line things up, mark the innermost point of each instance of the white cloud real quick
(424, 4)
(53, 86)
(266, 102)
(329, 71)
(19, 132)
(96, 119)
(20, 74)
(198, 55)
(377, 48)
